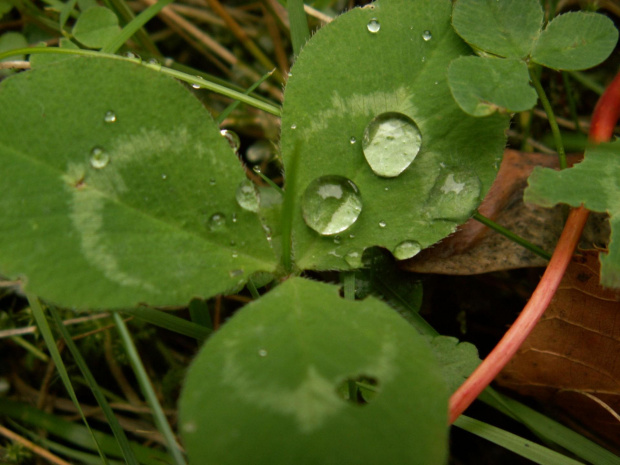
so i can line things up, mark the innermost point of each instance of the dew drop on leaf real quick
(373, 26)
(382, 224)
(406, 249)
(247, 196)
(109, 117)
(353, 259)
(391, 142)
(454, 196)
(232, 138)
(132, 55)
(353, 140)
(427, 35)
(154, 62)
(99, 158)
(164, 176)
(262, 353)
(217, 222)
(331, 204)
(293, 126)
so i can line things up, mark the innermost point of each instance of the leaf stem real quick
(512, 236)
(555, 129)
(288, 210)
(604, 118)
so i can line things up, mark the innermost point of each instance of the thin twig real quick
(15, 65)
(7, 433)
(33, 329)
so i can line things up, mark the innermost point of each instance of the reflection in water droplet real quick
(373, 26)
(233, 217)
(293, 126)
(99, 158)
(109, 117)
(427, 35)
(235, 273)
(382, 224)
(164, 176)
(256, 169)
(217, 222)
(353, 259)
(406, 249)
(132, 55)
(262, 353)
(247, 196)
(196, 86)
(331, 204)
(391, 142)
(232, 138)
(455, 195)
(353, 140)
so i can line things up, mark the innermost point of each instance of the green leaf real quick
(344, 78)
(508, 28)
(125, 195)
(594, 183)
(272, 373)
(481, 85)
(576, 40)
(10, 41)
(457, 359)
(96, 26)
(42, 59)
(5, 7)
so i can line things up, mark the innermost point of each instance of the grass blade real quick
(169, 322)
(148, 391)
(118, 432)
(299, 24)
(46, 332)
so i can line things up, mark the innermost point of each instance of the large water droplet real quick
(247, 196)
(99, 158)
(391, 142)
(406, 249)
(109, 117)
(455, 195)
(331, 204)
(232, 138)
(427, 35)
(382, 224)
(373, 26)
(217, 222)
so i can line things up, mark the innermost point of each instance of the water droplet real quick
(247, 196)
(331, 204)
(353, 140)
(455, 195)
(217, 222)
(109, 117)
(373, 26)
(391, 142)
(212, 182)
(256, 169)
(235, 273)
(337, 240)
(382, 224)
(351, 236)
(386, 189)
(267, 230)
(99, 158)
(154, 62)
(427, 35)
(406, 249)
(293, 126)
(235, 255)
(232, 138)
(353, 259)
(423, 59)
(262, 353)
(132, 55)
(233, 217)
(289, 74)
(164, 176)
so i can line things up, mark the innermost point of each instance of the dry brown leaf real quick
(572, 358)
(475, 249)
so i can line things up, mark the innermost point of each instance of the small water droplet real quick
(217, 222)
(196, 86)
(262, 353)
(351, 236)
(256, 169)
(454, 196)
(423, 59)
(293, 126)
(406, 249)
(232, 138)
(267, 230)
(289, 74)
(99, 158)
(353, 140)
(247, 196)
(132, 55)
(337, 240)
(427, 35)
(391, 142)
(353, 259)
(386, 189)
(233, 217)
(212, 182)
(235, 273)
(382, 224)
(235, 255)
(189, 427)
(109, 117)
(154, 62)
(373, 26)
(436, 82)
(164, 176)
(331, 204)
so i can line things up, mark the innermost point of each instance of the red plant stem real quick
(604, 118)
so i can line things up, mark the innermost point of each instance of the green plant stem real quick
(203, 83)
(148, 391)
(571, 100)
(555, 129)
(229, 109)
(252, 288)
(348, 278)
(512, 236)
(288, 211)
(20, 341)
(299, 24)
(587, 81)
